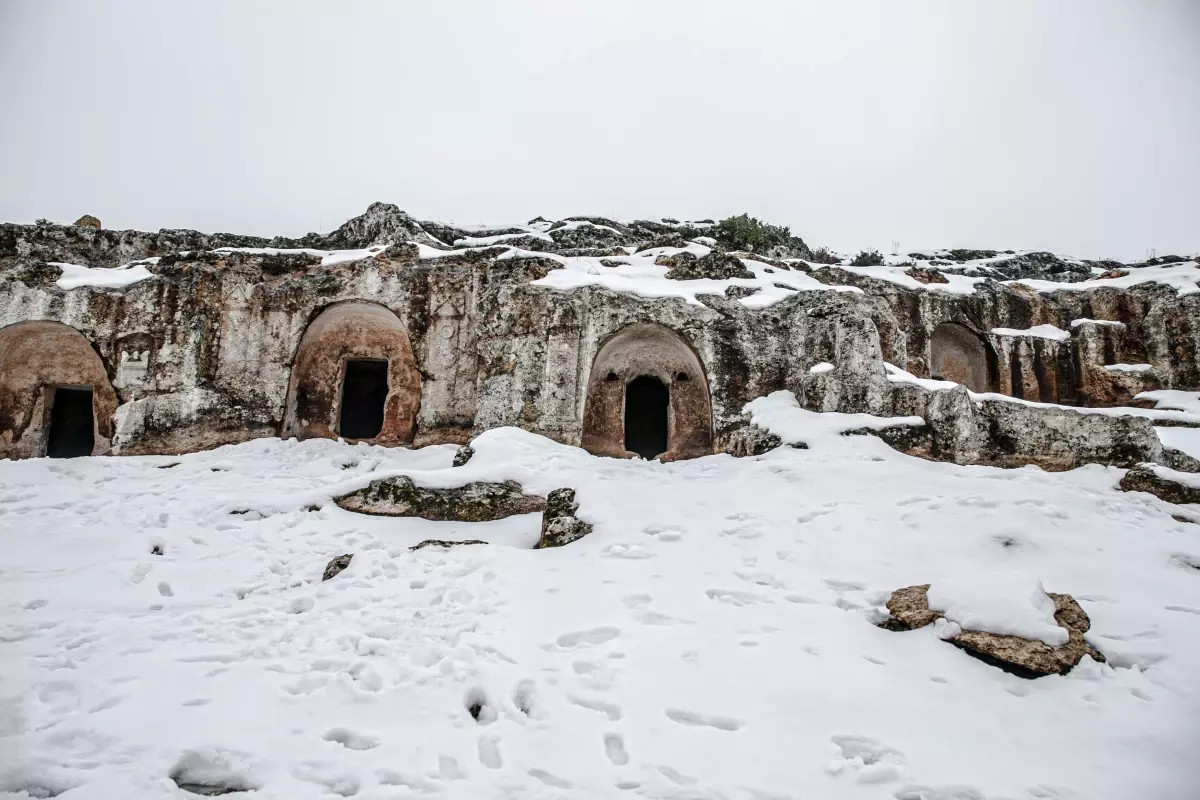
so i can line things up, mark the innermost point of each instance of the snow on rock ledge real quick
(1166, 484)
(1028, 658)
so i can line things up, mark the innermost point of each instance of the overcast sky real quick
(1069, 126)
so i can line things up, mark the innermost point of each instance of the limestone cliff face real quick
(217, 345)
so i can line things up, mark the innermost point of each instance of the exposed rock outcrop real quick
(560, 526)
(910, 610)
(336, 566)
(717, 265)
(1007, 434)
(474, 502)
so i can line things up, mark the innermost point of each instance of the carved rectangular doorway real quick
(364, 392)
(72, 423)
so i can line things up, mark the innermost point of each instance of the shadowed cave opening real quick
(364, 392)
(72, 424)
(646, 401)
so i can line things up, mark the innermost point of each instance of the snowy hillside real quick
(164, 621)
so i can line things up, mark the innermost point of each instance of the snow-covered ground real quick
(711, 639)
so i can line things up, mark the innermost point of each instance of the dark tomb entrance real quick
(364, 391)
(646, 401)
(72, 424)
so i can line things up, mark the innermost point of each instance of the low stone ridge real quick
(910, 610)
(475, 502)
(560, 526)
(445, 543)
(336, 565)
(1143, 478)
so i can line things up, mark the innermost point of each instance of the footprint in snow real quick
(329, 777)
(870, 760)
(614, 748)
(589, 638)
(550, 780)
(489, 753)
(734, 597)
(611, 710)
(350, 739)
(693, 719)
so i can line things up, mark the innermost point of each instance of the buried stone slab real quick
(445, 543)
(560, 526)
(474, 502)
(1165, 484)
(1026, 658)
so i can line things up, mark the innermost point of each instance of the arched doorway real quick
(55, 397)
(354, 376)
(956, 353)
(647, 395)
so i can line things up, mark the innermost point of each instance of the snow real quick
(1004, 602)
(74, 275)
(1182, 277)
(712, 638)
(328, 258)
(1075, 323)
(1173, 399)
(1128, 367)
(1038, 331)
(897, 375)
(781, 414)
(820, 369)
(956, 284)
(488, 241)
(639, 275)
(1184, 439)
(1190, 479)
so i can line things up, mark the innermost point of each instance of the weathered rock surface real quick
(752, 441)
(1006, 434)
(462, 455)
(202, 353)
(910, 610)
(87, 221)
(445, 543)
(560, 526)
(717, 265)
(336, 565)
(1178, 488)
(474, 502)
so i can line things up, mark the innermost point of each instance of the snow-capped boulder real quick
(1164, 483)
(1029, 658)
